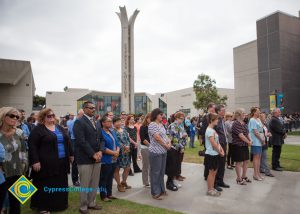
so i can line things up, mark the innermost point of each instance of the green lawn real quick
(290, 156)
(295, 133)
(116, 207)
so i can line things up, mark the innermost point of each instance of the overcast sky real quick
(77, 43)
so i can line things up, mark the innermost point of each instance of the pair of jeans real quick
(264, 162)
(157, 172)
(192, 140)
(14, 204)
(74, 166)
(106, 179)
(276, 156)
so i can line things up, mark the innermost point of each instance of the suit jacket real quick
(277, 131)
(220, 130)
(43, 148)
(88, 141)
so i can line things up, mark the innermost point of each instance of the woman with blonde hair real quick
(240, 142)
(257, 136)
(50, 155)
(11, 139)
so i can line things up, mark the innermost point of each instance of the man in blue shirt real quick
(70, 124)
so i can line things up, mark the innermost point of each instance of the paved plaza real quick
(273, 195)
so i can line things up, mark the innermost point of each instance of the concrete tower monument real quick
(127, 98)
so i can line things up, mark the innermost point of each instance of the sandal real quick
(125, 185)
(44, 212)
(213, 193)
(241, 181)
(229, 167)
(247, 180)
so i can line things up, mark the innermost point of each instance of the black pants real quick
(106, 179)
(229, 155)
(74, 166)
(133, 154)
(3, 191)
(221, 169)
(276, 156)
(173, 163)
(181, 155)
(14, 204)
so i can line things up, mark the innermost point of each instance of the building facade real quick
(246, 76)
(17, 87)
(270, 65)
(182, 100)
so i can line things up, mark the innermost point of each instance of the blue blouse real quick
(109, 144)
(2, 157)
(60, 143)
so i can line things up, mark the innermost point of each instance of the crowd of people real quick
(99, 149)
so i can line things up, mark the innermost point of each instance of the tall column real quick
(127, 98)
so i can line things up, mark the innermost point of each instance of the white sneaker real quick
(177, 184)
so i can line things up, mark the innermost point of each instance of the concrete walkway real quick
(271, 196)
(293, 140)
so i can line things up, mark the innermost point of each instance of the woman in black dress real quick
(49, 155)
(132, 131)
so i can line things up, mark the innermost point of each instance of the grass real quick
(294, 133)
(116, 207)
(290, 156)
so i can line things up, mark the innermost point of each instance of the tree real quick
(206, 92)
(39, 101)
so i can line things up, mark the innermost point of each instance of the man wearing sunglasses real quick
(89, 145)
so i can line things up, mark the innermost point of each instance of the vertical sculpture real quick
(127, 98)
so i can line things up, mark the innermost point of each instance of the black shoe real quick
(277, 169)
(223, 185)
(269, 175)
(137, 171)
(171, 186)
(219, 189)
(130, 173)
(76, 184)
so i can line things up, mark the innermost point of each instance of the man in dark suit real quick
(277, 139)
(220, 129)
(89, 144)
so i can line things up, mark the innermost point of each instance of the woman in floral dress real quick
(124, 157)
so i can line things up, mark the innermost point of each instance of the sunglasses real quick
(13, 116)
(91, 108)
(50, 116)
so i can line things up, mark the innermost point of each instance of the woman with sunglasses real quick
(50, 155)
(11, 139)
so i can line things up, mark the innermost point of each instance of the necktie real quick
(93, 122)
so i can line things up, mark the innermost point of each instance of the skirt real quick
(211, 162)
(240, 153)
(256, 150)
(45, 201)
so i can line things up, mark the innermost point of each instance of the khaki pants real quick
(89, 175)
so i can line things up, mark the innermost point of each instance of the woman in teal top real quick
(213, 150)
(258, 140)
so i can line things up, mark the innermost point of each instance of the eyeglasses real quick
(50, 116)
(91, 108)
(13, 116)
